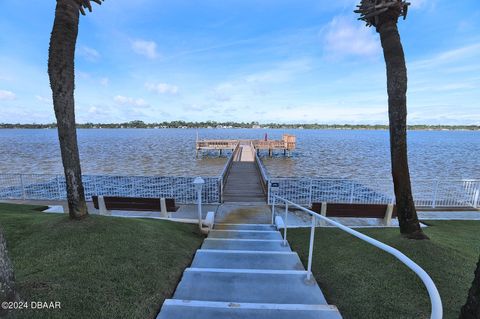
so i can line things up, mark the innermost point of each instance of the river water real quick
(320, 153)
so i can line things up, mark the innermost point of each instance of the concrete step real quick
(245, 234)
(236, 259)
(245, 226)
(194, 309)
(244, 188)
(245, 244)
(251, 286)
(245, 199)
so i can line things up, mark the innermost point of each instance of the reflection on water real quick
(325, 153)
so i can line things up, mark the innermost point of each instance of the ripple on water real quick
(325, 153)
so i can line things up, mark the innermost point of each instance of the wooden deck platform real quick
(286, 144)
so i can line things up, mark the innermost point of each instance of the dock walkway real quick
(243, 181)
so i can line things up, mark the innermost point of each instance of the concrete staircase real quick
(244, 271)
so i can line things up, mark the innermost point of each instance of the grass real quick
(100, 267)
(364, 282)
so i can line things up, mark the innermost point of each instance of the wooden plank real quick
(243, 184)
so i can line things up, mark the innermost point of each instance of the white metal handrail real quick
(435, 300)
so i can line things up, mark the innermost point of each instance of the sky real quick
(282, 61)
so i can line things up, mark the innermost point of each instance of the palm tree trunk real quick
(7, 278)
(471, 309)
(62, 81)
(397, 112)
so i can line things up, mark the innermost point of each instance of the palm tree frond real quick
(85, 4)
(370, 10)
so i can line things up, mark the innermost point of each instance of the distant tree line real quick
(214, 124)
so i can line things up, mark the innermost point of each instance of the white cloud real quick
(343, 37)
(450, 56)
(4, 77)
(7, 95)
(282, 72)
(223, 92)
(162, 88)
(145, 48)
(89, 54)
(194, 108)
(123, 100)
(327, 113)
(448, 87)
(43, 99)
(104, 81)
(261, 83)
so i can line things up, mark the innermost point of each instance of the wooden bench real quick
(387, 212)
(135, 203)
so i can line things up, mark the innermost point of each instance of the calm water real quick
(326, 153)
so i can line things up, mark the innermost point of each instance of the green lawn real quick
(101, 267)
(364, 282)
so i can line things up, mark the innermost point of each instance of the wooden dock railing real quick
(287, 143)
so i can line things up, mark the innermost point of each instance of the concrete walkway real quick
(257, 213)
(244, 270)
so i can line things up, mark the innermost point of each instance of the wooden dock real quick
(243, 182)
(286, 144)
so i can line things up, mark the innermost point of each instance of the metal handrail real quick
(435, 300)
(228, 163)
(225, 170)
(263, 172)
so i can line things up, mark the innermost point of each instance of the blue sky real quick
(242, 60)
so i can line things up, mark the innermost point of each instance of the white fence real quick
(305, 191)
(426, 193)
(52, 187)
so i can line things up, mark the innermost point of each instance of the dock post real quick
(270, 152)
(220, 152)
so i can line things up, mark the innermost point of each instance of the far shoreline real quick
(251, 125)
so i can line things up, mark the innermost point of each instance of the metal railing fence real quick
(53, 187)
(433, 193)
(426, 193)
